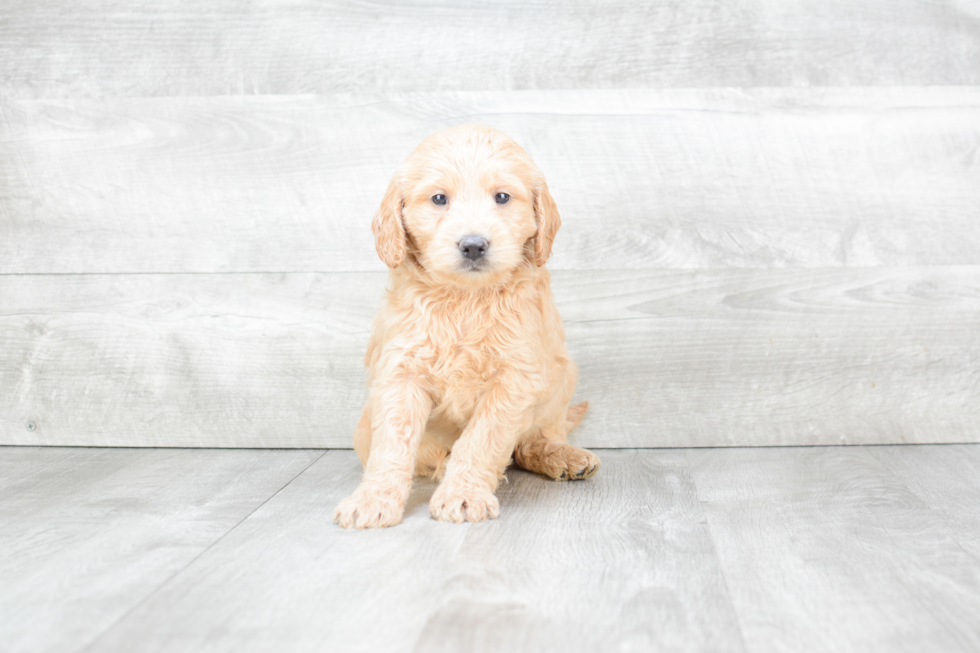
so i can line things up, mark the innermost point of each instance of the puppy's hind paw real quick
(579, 464)
(368, 509)
(559, 461)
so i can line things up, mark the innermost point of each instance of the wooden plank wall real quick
(771, 211)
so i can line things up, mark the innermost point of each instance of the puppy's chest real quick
(460, 368)
(461, 356)
(466, 353)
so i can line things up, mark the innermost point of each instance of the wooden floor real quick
(766, 549)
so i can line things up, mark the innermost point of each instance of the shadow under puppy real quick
(467, 360)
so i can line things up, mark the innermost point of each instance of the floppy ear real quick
(546, 214)
(389, 234)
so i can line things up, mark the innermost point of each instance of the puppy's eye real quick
(439, 199)
(501, 198)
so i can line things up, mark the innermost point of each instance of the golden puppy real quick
(467, 361)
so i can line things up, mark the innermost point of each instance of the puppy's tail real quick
(575, 415)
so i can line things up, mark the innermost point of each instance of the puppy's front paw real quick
(369, 508)
(458, 506)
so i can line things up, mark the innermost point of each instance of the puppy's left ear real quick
(389, 233)
(546, 214)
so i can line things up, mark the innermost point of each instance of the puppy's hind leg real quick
(547, 451)
(574, 416)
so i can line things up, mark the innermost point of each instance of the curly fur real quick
(467, 366)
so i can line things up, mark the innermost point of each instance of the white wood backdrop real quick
(771, 212)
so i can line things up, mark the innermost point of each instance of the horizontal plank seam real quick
(325, 450)
(916, 266)
(191, 273)
(832, 95)
(177, 573)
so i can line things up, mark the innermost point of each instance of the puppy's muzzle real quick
(473, 247)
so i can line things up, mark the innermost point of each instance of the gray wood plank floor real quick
(789, 549)
(87, 534)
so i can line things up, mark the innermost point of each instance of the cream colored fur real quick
(467, 367)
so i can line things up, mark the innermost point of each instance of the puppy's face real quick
(465, 205)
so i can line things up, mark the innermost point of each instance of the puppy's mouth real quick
(476, 267)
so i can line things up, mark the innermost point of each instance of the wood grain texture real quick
(802, 549)
(954, 494)
(675, 179)
(186, 360)
(827, 550)
(624, 561)
(86, 535)
(792, 357)
(55, 48)
(667, 359)
(297, 581)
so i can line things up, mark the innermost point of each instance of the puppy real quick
(467, 361)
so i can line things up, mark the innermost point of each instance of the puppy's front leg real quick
(479, 457)
(401, 408)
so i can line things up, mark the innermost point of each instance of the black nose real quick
(473, 247)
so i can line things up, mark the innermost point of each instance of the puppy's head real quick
(464, 205)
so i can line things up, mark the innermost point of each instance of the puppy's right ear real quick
(389, 233)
